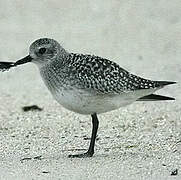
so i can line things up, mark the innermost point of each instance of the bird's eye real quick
(42, 50)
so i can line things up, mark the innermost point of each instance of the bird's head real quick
(41, 52)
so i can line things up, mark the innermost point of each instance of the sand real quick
(140, 141)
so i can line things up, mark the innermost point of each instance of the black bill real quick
(4, 66)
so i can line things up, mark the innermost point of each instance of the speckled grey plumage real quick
(87, 84)
(91, 72)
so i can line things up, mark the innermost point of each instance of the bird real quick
(87, 84)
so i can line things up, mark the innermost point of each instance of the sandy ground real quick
(140, 141)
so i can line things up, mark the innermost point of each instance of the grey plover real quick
(87, 84)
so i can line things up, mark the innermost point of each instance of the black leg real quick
(90, 151)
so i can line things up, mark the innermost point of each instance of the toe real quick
(85, 155)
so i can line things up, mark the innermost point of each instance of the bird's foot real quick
(84, 155)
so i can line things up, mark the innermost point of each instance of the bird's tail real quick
(155, 97)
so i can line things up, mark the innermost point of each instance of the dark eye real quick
(42, 50)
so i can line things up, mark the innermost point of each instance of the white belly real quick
(84, 102)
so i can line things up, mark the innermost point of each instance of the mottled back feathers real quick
(104, 76)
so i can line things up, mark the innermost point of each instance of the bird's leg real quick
(90, 152)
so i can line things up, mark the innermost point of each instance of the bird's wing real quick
(104, 76)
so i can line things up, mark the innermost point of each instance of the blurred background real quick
(142, 36)
(138, 35)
